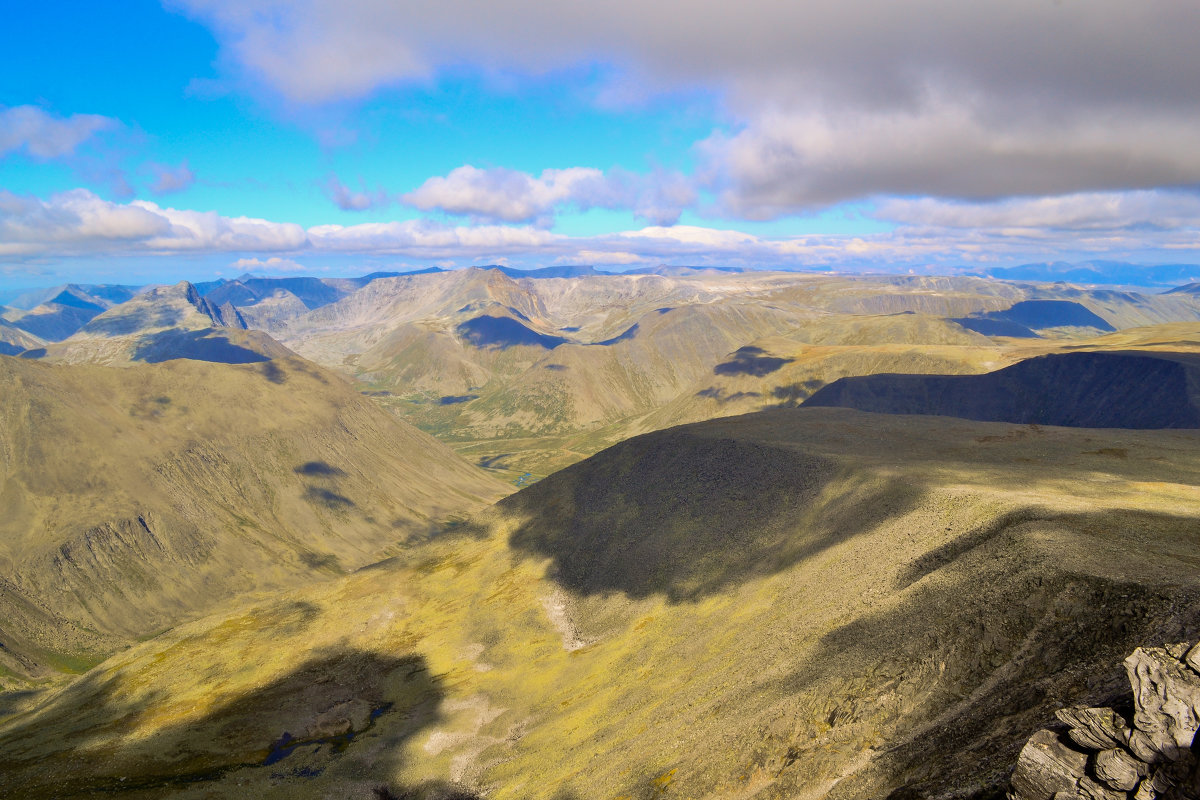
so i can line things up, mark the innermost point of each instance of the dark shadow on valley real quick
(321, 489)
(981, 658)
(749, 360)
(718, 394)
(201, 345)
(493, 462)
(794, 394)
(1023, 319)
(273, 372)
(687, 516)
(624, 337)
(350, 711)
(500, 333)
(319, 468)
(328, 498)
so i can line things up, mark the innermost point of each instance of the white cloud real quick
(501, 194)
(507, 195)
(272, 264)
(1110, 225)
(80, 222)
(422, 239)
(605, 257)
(169, 179)
(45, 136)
(349, 200)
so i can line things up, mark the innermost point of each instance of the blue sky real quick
(147, 141)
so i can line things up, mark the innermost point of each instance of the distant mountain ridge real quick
(99, 293)
(59, 312)
(163, 323)
(1118, 273)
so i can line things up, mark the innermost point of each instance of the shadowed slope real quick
(220, 345)
(1096, 389)
(488, 331)
(1027, 316)
(687, 516)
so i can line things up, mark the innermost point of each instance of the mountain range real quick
(566, 535)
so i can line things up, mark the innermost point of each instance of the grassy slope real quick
(799, 603)
(137, 497)
(814, 354)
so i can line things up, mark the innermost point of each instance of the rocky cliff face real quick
(1101, 754)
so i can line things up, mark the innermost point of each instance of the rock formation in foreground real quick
(1104, 756)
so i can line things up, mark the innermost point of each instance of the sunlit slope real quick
(579, 386)
(13, 340)
(530, 372)
(136, 497)
(784, 370)
(1175, 336)
(798, 603)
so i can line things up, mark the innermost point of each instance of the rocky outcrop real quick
(1103, 756)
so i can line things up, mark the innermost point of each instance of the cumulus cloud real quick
(168, 179)
(501, 194)
(78, 221)
(348, 200)
(45, 136)
(507, 195)
(828, 101)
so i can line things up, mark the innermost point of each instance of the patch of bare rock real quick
(1102, 755)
